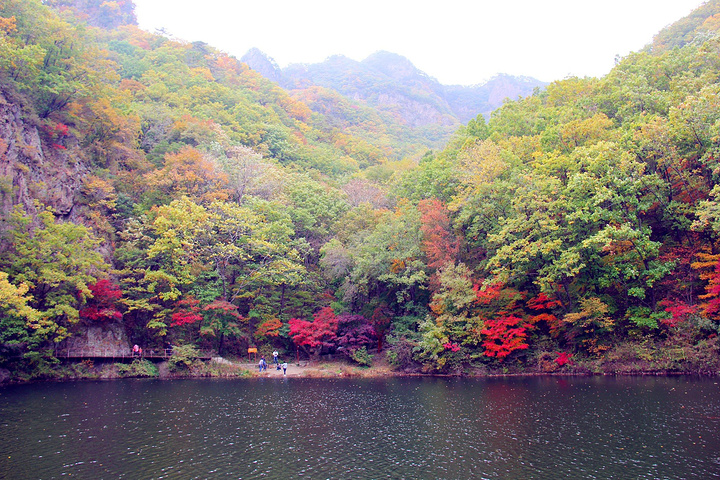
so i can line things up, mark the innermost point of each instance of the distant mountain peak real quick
(394, 66)
(262, 63)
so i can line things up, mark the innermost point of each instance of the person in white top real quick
(275, 357)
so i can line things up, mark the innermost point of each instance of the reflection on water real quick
(414, 428)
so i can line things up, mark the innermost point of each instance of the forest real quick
(165, 187)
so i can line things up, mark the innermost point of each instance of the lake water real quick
(396, 428)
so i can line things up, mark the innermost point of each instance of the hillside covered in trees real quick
(166, 191)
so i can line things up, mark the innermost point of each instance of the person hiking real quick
(275, 357)
(262, 365)
(284, 365)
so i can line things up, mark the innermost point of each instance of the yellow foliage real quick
(482, 162)
(568, 91)
(110, 5)
(14, 300)
(204, 73)
(582, 132)
(397, 265)
(593, 313)
(712, 23)
(99, 192)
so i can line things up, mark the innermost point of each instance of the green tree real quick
(51, 265)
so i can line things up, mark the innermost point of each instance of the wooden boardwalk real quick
(107, 354)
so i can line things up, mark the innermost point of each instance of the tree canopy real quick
(213, 208)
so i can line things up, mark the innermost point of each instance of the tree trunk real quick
(282, 301)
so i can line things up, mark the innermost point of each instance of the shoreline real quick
(329, 370)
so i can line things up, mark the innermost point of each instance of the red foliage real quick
(56, 133)
(381, 320)
(301, 331)
(488, 294)
(451, 346)
(103, 305)
(543, 302)
(224, 306)
(679, 311)
(680, 284)
(187, 312)
(354, 331)
(504, 335)
(319, 333)
(563, 358)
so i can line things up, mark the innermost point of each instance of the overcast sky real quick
(456, 41)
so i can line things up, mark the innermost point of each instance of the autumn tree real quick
(103, 305)
(354, 332)
(316, 335)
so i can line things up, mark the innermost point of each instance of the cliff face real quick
(31, 167)
(263, 64)
(106, 340)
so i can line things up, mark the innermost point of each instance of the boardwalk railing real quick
(106, 353)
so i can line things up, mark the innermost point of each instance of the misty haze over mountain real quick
(391, 83)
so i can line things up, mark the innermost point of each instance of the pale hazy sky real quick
(456, 41)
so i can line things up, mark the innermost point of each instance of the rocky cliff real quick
(103, 341)
(32, 167)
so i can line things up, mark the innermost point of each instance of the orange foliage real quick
(439, 243)
(270, 328)
(132, 86)
(188, 172)
(8, 25)
(711, 307)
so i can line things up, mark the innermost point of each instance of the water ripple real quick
(355, 429)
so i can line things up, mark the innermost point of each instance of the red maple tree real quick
(503, 335)
(314, 336)
(187, 312)
(543, 302)
(103, 304)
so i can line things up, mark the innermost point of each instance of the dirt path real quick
(323, 369)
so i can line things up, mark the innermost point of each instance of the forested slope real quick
(165, 187)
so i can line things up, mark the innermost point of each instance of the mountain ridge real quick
(392, 83)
